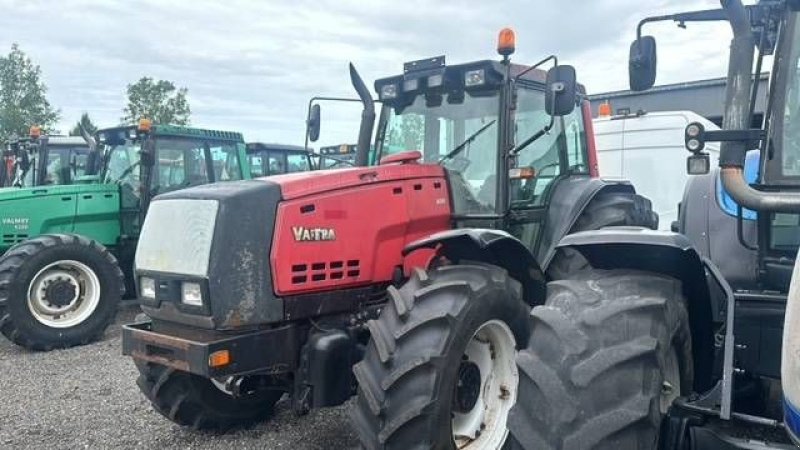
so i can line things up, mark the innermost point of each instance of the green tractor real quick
(67, 250)
(40, 159)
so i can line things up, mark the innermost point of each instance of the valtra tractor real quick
(64, 249)
(673, 341)
(408, 283)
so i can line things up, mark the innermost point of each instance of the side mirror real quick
(561, 91)
(312, 124)
(642, 63)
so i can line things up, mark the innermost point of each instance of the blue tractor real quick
(672, 340)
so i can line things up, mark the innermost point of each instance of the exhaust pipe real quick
(367, 118)
(737, 117)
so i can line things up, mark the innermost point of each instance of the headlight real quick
(191, 294)
(474, 77)
(147, 287)
(389, 91)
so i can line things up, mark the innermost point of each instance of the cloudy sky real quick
(253, 65)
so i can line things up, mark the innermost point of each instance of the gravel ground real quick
(86, 397)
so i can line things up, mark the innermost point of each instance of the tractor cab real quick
(147, 160)
(506, 135)
(477, 120)
(275, 159)
(40, 160)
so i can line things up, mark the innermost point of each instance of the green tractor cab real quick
(67, 249)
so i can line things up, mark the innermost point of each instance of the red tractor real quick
(408, 283)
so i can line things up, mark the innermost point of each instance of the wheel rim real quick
(480, 408)
(63, 294)
(671, 385)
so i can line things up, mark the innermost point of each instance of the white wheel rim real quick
(493, 350)
(75, 305)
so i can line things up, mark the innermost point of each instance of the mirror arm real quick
(708, 15)
(555, 64)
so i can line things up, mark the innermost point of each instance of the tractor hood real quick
(239, 245)
(90, 209)
(302, 184)
(16, 193)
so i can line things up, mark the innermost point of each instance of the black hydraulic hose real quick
(367, 118)
(737, 112)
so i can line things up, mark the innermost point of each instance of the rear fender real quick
(492, 247)
(570, 197)
(670, 254)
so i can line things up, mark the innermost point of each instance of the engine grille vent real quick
(325, 271)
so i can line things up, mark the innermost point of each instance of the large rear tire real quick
(439, 366)
(200, 403)
(609, 352)
(58, 291)
(606, 210)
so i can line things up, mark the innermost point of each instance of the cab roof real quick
(253, 147)
(181, 131)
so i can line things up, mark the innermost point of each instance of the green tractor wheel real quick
(58, 291)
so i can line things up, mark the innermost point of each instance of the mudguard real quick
(670, 254)
(569, 198)
(493, 247)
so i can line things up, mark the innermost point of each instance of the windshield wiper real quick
(466, 142)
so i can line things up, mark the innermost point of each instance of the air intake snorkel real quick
(367, 118)
(737, 117)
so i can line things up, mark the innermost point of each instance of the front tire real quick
(609, 352)
(197, 402)
(439, 372)
(58, 291)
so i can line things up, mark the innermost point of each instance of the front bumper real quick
(270, 351)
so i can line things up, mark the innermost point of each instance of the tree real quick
(85, 123)
(159, 101)
(23, 101)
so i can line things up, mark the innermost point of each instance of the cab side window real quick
(276, 163)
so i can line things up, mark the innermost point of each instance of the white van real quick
(648, 149)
